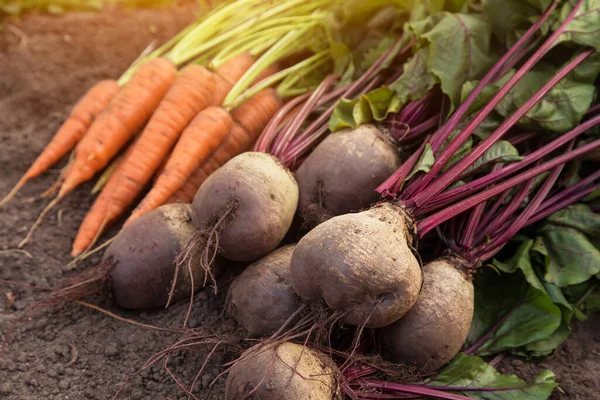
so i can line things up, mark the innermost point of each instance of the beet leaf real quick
(510, 313)
(479, 380)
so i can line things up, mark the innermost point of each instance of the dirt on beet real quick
(73, 352)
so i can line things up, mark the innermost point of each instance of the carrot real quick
(237, 141)
(241, 138)
(94, 222)
(71, 132)
(190, 94)
(204, 134)
(228, 74)
(117, 124)
(193, 90)
(254, 114)
(114, 127)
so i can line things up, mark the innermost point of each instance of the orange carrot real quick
(204, 134)
(190, 94)
(228, 74)
(71, 132)
(114, 127)
(255, 113)
(237, 141)
(117, 124)
(94, 222)
(193, 90)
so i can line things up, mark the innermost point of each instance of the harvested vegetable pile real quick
(404, 183)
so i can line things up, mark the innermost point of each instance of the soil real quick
(576, 363)
(73, 352)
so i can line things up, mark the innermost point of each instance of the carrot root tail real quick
(14, 190)
(39, 221)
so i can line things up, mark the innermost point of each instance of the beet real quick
(262, 299)
(144, 256)
(434, 330)
(343, 171)
(361, 265)
(255, 197)
(283, 371)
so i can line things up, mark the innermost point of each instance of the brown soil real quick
(576, 363)
(46, 64)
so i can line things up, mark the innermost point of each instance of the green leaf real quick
(500, 152)
(425, 162)
(592, 304)
(510, 18)
(343, 115)
(375, 105)
(459, 51)
(570, 257)
(381, 102)
(361, 113)
(416, 80)
(343, 61)
(472, 372)
(352, 12)
(578, 216)
(521, 261)
(526, 314)
(559, 110)
(545, 347)
(486, 94)
(583, 30)
(463, 150)
(368, 28)
(452, 49)
(592, 196)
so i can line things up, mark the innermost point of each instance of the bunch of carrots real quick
(187, 108)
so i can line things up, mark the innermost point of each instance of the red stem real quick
(462, 110)
(499, 241)
(270, 132)
(571, 190)
(492, 212)
(564, 199)
(414, 389)
(453, 195)
(393, 183)
(508, 211)
(306, 109)
(444, 215)
(522, 137)
(415, 132)
(445, 179)
(474, 220)
(295, 148)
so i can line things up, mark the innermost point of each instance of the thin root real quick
(74, 355)
(14, 191)
(86, 254)
(39, 221)
(8, 251)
